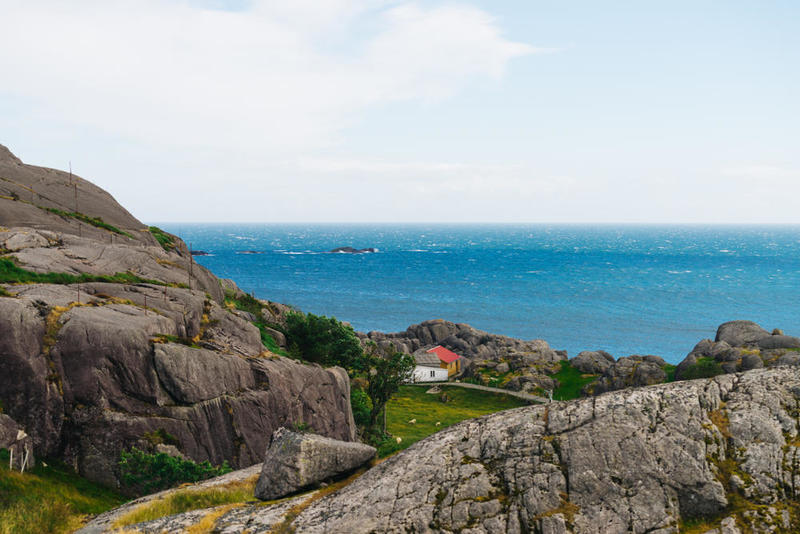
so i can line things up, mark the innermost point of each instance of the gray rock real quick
(740, 333)
(638, 461)
(89, 369)
(779, 342)
(630, 371)
(592, 362)
(294, 461)
(752, 361)
(502, 367)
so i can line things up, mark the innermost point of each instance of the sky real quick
(413, 111)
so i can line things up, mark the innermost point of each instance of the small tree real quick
(385, 375)
(323, 340)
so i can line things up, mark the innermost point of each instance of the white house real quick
(428, 368)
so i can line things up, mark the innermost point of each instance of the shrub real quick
(360, 403)
(167, 241)
(324, 340)
(704, 368)
(146, 473)
(94, 221)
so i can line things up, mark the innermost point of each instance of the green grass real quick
(670, 370)
(166, 241)
(190, 499)
(254, 306)
(570, 382)
(94, 221)
(48, 499)
(411, 402)
(11, 273)
(705, 367)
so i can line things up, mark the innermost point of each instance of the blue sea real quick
(625, 289)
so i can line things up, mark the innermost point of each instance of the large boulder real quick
(594, 362)
(295, 461)
(740, 333)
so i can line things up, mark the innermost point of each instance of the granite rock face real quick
(724, 451)
(90, 369)
(294, 461)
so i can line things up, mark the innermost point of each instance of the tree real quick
(324, 340)
(385, 375)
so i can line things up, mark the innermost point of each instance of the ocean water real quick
(624, 289)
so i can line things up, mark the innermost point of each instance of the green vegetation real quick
(323, 340)
(704, 368)
(164, 239)
(11, 273)
(169, 338)
(146, 473)
(384, 377)
(670, 370)
(94, 221)
(570, 382)
(48, 499)
(452, 406)
(190, 499)
(361, 405)
(253, 306)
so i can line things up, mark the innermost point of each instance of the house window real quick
(433, 374)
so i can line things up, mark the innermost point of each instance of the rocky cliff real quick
(132, 340)
(713, 455)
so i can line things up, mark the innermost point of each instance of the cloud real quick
(276, 77)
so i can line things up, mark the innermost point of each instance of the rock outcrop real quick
(295, 461)
(721, 453)
(629, 371)
(95, 367)
(740, 346)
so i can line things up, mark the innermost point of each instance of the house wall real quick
(452, 367)
(423, 374)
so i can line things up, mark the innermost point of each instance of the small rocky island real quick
(351, 250)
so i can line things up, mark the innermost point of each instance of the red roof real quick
(445, 355)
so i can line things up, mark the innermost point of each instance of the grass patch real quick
(570, 382)
(49, 499)
(11, 273)
(143, 473)
(188, 499)
(169, 338)
(670, 370)
(704, 368)
(164, 239)
(253, 306)
(411, 402)
(94, 221)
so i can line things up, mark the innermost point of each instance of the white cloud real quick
(262, 80)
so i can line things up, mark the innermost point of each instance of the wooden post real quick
(191, 266)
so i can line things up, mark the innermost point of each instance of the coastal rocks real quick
(722, 451)
(463, 340)
(89, 379)
(629, 371)
(592, 362)
(739, 346)
(294, 461)
(351, 250)
(740, 333)
(92, 369)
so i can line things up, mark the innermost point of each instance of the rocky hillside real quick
(697, 455)
(119, 339)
